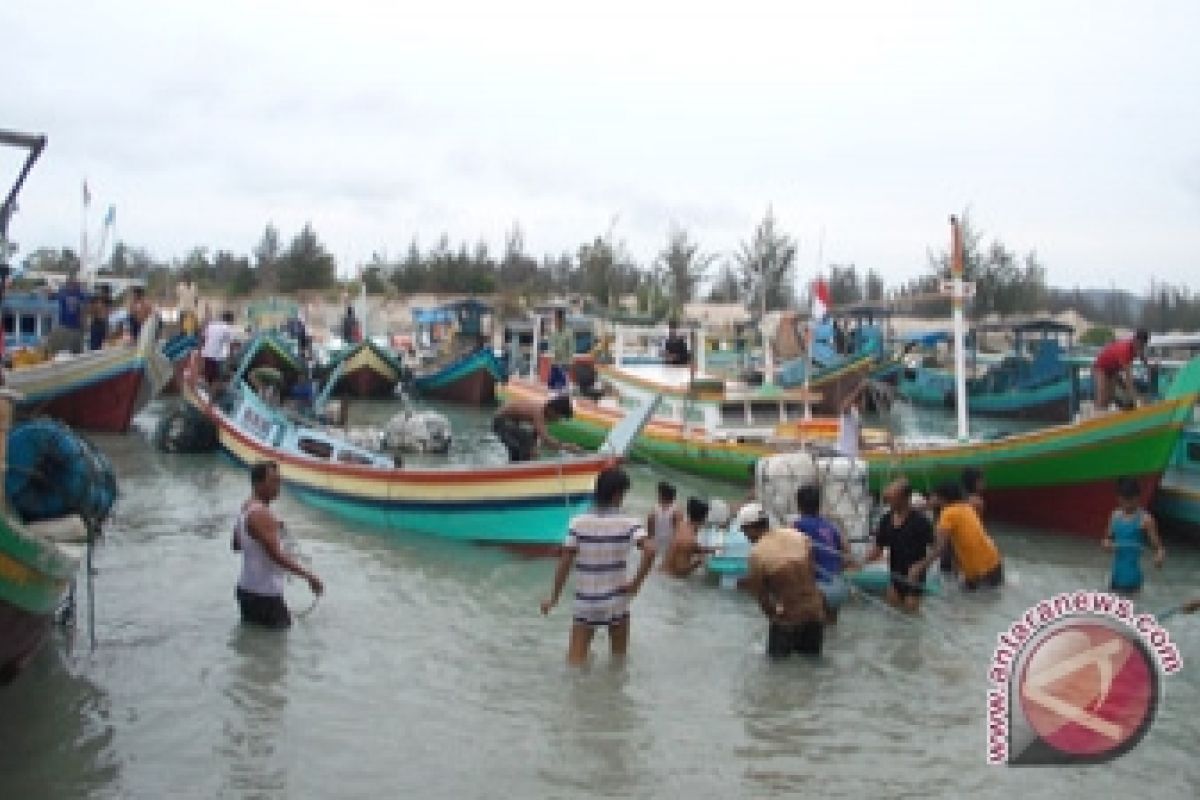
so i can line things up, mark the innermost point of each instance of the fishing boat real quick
(1034, 382)
(53, 480)
(100, 390)
(835, 372)
(1059, 478)
(705, 425)
(1177, 502)
(29, 317)
(365, 369)
(469, 379)
(274, 351)
(526, 505)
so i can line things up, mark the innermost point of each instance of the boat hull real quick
(471, 380)
(527, 505)
(1061, 478)
(836, 384)
(96, 391)
(1052, 402)
(1177, 503)
(34, 577)
(366, 372)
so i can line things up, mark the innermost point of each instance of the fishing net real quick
(184, 429)
(54, 472)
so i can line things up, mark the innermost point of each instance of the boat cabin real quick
(28, 319)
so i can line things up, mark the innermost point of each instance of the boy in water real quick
(906, 533)
(958, 526)
(665, 518)
(1130, 527)
(597, 545)
(685, 555)
(831, 550)
(973, 486)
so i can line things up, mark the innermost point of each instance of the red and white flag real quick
(820, 299)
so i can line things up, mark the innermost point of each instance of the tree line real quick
(760, 273)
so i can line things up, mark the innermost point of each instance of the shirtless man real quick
(783, 580)
(522, 428)
(684, 554)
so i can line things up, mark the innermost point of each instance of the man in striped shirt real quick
(597, 545)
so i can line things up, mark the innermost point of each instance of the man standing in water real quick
(258, 534)
(597, 545)
(782, 578)
(958, 526)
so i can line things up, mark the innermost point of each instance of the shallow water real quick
(427, 671)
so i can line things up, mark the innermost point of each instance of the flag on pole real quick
(110, 218)
(87, 196)
(820, 299)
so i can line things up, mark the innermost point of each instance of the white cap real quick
(750, 514)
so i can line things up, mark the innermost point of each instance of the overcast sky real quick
(1069, 127)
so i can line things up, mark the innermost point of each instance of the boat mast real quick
(958, 291)
(34, 144)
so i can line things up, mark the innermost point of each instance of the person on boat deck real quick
(258, 536)
(218, 339)
(187, 302)
(521, 426)
(782, 578)
(1129, 529)
(685, 554)
(140, 310)
(831, 550)
(98, 322)
(675, 349)
(351, 332)
(1114, 366)
(850, 423)
(562, 350)
(906, 534)
(665, 518)
(597, 545)
(959, 525)
(72, 302)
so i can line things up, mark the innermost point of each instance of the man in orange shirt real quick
(1115, 362)
(958, 525)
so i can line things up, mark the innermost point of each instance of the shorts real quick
(557, 381)
(835, 591)
(805, 638)
(268, 610)
(601, 615)
(903, 587)
(212, 369)
(519, 441)
(992, 578)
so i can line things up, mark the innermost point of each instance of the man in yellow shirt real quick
(958, 525)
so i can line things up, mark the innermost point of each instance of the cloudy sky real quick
(1068, 127)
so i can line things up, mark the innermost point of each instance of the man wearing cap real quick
(1115, 364)
(783, 580)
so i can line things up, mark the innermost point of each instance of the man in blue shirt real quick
(831, 550)
(71, 304)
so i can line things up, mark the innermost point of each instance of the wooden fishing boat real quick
(270, 349)
(99, 390)
(1177, 503)
(1034, 382)
(469, 379)
(365, 370)
(835, 375)
(703, 427)
(527, 505)
(1059, 478)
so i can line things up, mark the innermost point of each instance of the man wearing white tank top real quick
(665, 518)
(257, 535)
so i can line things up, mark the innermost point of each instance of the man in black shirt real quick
(907, 534)
(675, 350)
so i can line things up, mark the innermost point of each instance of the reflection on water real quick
(427, 671)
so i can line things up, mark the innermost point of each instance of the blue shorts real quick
(834, 590)
(557, 379)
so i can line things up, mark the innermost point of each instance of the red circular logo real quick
(1089, 690)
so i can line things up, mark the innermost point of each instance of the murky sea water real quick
(427, 671)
